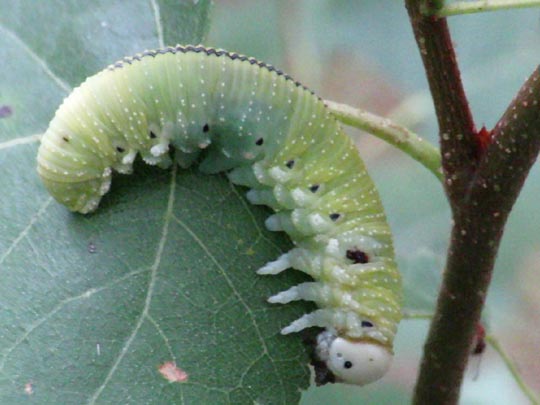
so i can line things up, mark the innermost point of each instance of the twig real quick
(493, 342)
(470, 7)
(402, 138)
(426, 316)
(456, 126)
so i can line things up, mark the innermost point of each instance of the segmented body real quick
(270, 134)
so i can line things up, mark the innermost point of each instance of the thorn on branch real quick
(484, 139)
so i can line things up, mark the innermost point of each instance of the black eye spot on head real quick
(65, 139)
(205, 128)
(367, 324)
(119, 149)
(290, 164)
(357, 256)
(347, 364)
(152, 135)
(259, 141)
(314, 188)
(339, 355)
(335, 216)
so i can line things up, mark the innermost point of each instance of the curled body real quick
(233, 114)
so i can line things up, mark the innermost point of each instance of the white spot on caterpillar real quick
(318, 222)
(332, 248)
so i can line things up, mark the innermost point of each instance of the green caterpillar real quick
(268, 133)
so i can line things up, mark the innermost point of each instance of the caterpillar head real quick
(351, 361)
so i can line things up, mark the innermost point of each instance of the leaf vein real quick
(20, 141)
(63, 85)
(157, 19)
(253, 219)
(237, 294)
(151, 285)
(162, 335)
(87, 294)
(25, 231)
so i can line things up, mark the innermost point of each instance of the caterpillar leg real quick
(298, 258)
(300, 222)
(277, 266)
(310, 291)
(322, 317)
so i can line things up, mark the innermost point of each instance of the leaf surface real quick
(161, 277)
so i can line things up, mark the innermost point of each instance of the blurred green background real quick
(363, 53)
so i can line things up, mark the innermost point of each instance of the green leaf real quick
(164, 271)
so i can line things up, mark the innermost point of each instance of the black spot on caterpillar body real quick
(357, 256)
(305, 167)
(367, 324)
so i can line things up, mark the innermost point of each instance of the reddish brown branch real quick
(455, 120)
(512, 150)
(483, 180)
